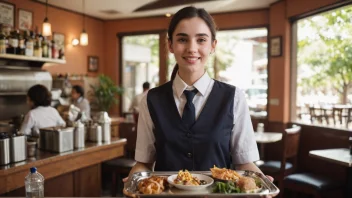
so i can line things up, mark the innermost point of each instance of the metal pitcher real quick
(79, 134)
(105, 123)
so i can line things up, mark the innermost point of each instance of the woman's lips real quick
(191, 60)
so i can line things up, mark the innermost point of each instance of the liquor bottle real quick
(53, 50)
(37, 49)
(49, 48)
(13, 43)
(29, 42)
(44, 48)
(8, 38)
(2, 41)
(34, 184)
(21, 43)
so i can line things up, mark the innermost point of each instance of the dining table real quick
(263, 138)
(340, 156)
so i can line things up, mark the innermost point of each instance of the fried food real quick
(246, 184)
(186, 178)
(152, 185)
(224, 174)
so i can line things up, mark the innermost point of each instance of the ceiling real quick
(118, 9)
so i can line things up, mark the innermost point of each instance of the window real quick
(322, 88)
(140, 63)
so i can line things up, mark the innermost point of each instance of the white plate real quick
(207, 179)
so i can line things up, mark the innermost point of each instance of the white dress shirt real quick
(41, 117)
(243, 145)
(83, 105)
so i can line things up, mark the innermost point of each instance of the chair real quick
(123, 165)
(312, 184)
(279, 169)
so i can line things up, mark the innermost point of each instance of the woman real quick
(207, 125)
(41, 115)
(77, 95)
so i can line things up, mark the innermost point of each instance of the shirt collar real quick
(80, 99)
(201, 84)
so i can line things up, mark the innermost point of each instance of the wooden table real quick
(339, 156)
(264, 138)
(70, 174)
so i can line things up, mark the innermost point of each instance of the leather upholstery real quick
(270, 167)
(318, 182)
(121, 163)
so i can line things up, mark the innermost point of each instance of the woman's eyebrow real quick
(199, 34)
(181, 34)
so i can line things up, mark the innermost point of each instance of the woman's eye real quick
(182, 40)
(202, 40)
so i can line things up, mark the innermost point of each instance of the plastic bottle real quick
(34, 183)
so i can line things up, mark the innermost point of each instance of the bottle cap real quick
(33, 170)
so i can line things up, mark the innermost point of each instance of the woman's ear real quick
(170, 46)
(213, 45)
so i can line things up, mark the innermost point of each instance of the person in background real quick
(137, 99)
(77, 95)
(41, 115)
(194, 122)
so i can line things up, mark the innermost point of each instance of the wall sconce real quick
(75, 42)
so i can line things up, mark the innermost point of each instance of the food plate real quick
(209, 181)
(131, 187)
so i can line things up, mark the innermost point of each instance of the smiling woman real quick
(182, 124)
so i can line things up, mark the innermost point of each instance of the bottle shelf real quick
(31, 58)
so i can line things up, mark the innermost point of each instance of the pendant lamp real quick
(84, 35)
(46, 24)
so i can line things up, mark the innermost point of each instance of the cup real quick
(31, 149)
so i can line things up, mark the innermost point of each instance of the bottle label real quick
(29, 45)
(14, 42)
(2, 46)
(22, 46)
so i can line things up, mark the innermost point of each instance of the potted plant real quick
(105, 93)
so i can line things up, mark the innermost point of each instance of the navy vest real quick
(205, 144)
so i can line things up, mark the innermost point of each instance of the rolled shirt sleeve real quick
(243, 145)
(145, 148)
(27, 125)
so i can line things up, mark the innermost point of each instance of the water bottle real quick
(34, 183)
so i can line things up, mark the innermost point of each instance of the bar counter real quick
(70, 174)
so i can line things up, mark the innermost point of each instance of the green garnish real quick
(227, 188)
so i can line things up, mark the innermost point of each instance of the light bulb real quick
(84, 38)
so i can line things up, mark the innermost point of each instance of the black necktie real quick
(189, 112)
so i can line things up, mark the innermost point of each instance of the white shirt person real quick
(41, 115)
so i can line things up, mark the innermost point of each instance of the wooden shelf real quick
(31, 58)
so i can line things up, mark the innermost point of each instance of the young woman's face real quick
(191, 45)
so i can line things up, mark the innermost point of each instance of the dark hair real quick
(146, 85)
(39, 95)
(186, 13)
(79, 90)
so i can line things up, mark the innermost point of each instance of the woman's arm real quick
(141, 167)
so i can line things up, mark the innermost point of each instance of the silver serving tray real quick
(131, 190)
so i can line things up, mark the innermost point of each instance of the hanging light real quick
(46, 24)
(84, 35)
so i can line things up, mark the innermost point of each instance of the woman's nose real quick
(192, 46)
